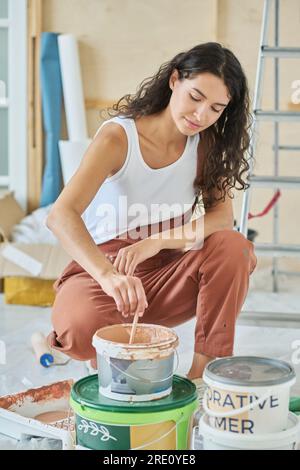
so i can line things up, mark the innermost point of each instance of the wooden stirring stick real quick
(133, 329)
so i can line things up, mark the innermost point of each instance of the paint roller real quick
(41, 350)
(44, 354)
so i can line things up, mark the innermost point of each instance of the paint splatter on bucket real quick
(248, 394)
(105, 424)
(140, 371)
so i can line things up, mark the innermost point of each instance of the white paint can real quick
(214, 439)
(248, 394)
(141, 371)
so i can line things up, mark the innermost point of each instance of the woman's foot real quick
(91, 366)
(198, 366)
(94, 363)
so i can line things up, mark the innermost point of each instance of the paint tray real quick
(17, 413)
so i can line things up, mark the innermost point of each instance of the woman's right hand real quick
(127, 291)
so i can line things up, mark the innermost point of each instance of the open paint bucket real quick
(214, 439)
(105, 424)
(140, 371)
(248, 394)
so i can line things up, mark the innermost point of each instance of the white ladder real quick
(274, 249)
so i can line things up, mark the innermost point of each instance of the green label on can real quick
(100, 436)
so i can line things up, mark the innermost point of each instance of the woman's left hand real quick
(129, 257)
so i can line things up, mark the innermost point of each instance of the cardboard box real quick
(39, 261)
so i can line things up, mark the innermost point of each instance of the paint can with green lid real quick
(105, 424)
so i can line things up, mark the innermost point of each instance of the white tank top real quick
(138, 195)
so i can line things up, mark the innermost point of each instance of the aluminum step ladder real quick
(276, 52)
(277, 182)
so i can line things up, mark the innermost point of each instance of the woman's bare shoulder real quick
(112, 140)
(106, 153)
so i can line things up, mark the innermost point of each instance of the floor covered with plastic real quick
(21, 370)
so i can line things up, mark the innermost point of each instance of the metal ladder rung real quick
(288, 182)
(280, 52)
(276, 116)
(271, 249)
(288, 273)
(292, 148)
(280, 319)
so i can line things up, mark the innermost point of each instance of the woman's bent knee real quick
(235, 249)
(74, 323)
(72, 335)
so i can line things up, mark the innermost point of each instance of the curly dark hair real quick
(227, 141)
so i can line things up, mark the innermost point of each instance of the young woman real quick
(178, 144)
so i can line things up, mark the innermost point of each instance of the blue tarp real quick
(52, 111)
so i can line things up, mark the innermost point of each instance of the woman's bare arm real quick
(105, 155)
(64, 219)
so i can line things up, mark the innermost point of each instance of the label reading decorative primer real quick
(223, 401)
